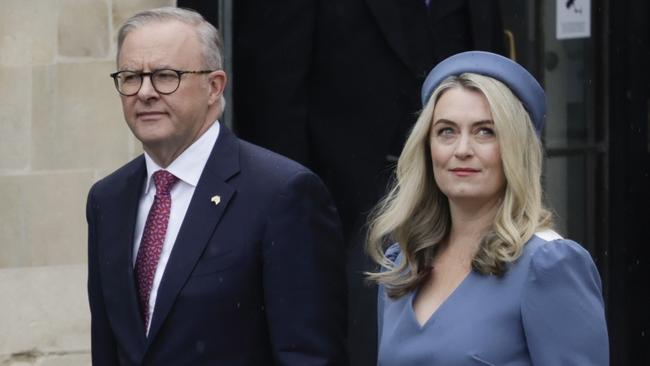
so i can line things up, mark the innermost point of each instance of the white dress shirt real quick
(187, 167)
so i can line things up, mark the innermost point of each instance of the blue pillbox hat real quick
(513, 75)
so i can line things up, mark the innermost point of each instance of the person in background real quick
(334, 84)
(476, 276)
(206, 250)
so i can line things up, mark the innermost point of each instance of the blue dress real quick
(546, 310)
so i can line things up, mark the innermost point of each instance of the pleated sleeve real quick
(562, 307)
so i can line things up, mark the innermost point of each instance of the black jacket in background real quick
(335, 85)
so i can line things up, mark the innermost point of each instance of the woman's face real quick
(464, 148)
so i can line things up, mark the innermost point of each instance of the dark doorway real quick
(628, 270)
(597, 172)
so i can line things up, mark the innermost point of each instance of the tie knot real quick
(164, 181)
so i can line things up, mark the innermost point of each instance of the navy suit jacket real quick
(257, 279)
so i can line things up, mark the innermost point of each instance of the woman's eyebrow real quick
(443, 121)
(450, 122)
(483, 122)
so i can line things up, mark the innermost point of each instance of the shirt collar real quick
(188, 166)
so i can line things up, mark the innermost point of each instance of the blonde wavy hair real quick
(415, 213)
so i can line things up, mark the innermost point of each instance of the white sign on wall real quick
(573, 19)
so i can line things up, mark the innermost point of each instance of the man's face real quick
(167, 124)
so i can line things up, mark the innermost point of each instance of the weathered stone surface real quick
(42, 219)
(66, 360)
(77, 118)
(83, 28)
(37, 358)
(44, 316)
(61, 129)
(15, 117)
(28, 32)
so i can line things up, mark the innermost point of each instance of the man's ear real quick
(218, 80)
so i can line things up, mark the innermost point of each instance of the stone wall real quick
(61, 129)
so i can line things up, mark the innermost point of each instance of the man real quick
(206, 250)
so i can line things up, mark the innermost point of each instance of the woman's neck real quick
(469, 224)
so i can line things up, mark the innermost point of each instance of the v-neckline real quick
(442, 305)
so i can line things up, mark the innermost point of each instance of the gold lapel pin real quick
(215, 199)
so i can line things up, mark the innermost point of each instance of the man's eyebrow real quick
(125, 68)
(128, 67)
(163, 66)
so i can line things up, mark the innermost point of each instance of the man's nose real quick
(147, 91)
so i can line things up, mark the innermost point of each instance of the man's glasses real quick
(164, 81)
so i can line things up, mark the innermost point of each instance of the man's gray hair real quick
(207, 34)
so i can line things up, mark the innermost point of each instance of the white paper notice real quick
(573, 19)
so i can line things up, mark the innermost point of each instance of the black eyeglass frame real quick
(180, 73)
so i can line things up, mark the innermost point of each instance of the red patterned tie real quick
(153, 239)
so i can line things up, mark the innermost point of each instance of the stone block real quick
(66, 360)
(15, 117)
(44, 315)
(83, 28)
(123, 9)
(28, 32)
(77, 118)
(42, 219)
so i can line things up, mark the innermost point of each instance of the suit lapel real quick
(404, 24)
(200, 221)
(117, 260)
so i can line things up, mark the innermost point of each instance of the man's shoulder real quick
(264, 173)
(262, 162)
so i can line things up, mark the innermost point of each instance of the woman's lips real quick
(464, 172)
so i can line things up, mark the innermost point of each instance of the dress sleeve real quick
(562, 307)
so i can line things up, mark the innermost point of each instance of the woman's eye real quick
(486, 131)
(445, 131)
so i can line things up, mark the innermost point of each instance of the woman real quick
(477, 276)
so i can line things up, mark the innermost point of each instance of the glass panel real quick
(566, 195)
(567, 82)
(571, 166)
(520, 22)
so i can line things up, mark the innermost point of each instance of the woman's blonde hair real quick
(415, 213)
